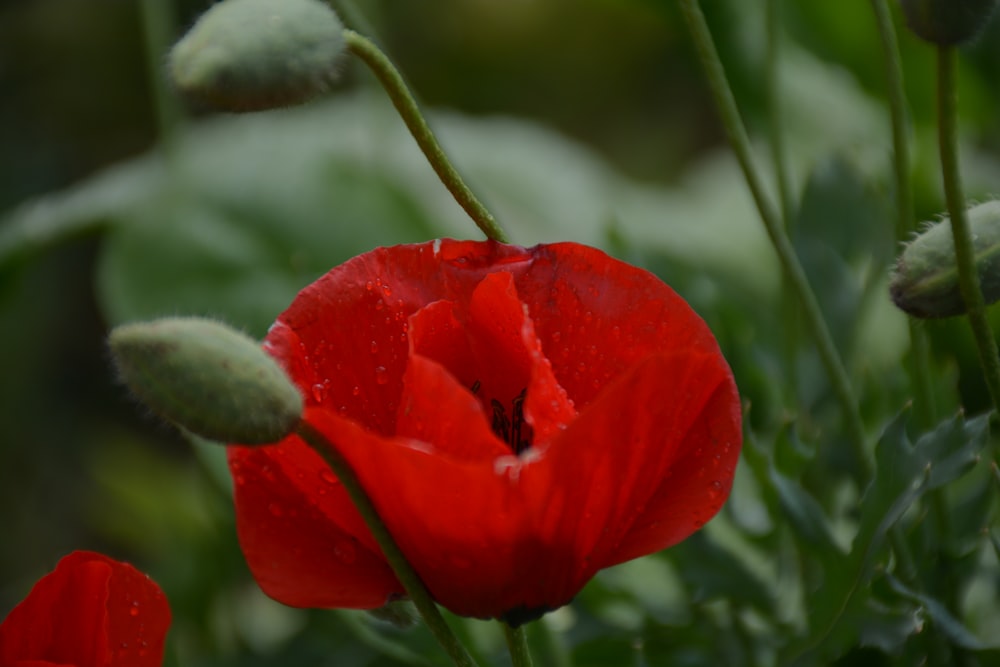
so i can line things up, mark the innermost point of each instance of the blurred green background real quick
(584, 120)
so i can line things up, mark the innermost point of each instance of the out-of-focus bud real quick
(947, 22)
(925, 281)
(208, 378)
(249, 55)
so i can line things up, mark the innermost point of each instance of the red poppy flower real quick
(521, 418)
(91, 611)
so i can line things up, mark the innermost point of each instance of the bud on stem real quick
(208, 378)
(248, 55)
(925, 281)
(947, 22)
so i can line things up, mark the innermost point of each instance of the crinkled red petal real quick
(91, 611)
(304, 541)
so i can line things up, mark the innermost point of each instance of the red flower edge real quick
(91, 611)
(521, 418)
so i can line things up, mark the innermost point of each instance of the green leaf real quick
(951, 627)
(903, 473)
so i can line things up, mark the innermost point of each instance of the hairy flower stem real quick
(404, 571)
(158, 26)
(729, 114)
(392, 81)
(775, 117)
(968, 278)
(919, 366)
(517, 644)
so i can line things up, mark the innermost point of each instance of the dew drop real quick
(374, 347)
(556, 336)
(319, 392)
(386, 290)
(240, 480)
(356, 391)
(381, 375)
(275, 510)
(328, 476)
(369, 286)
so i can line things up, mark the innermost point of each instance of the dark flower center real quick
(512, 428)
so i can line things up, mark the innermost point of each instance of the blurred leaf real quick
(711, 572)
(953, 629)
(904, 473)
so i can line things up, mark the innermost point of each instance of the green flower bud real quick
(925, 282)
(248, 55)
(947, 22)
(207, 378)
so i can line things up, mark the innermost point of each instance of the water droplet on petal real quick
(356, 391)
(319, 392)
(369, 286)
(374, 347)
(328, 476)
(275, 510)
(381, 375)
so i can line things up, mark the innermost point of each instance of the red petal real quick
(597, 480)
(460, 523)
(697, 484)
(597, 316)
(91, 611)
(304, 541)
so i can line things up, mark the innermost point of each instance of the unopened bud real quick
(947, 22)
(925, 282)
(208, 378)
(248, 55)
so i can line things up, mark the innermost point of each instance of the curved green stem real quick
(919, 366)
(730, 117)
(517, 644)
(968, 278)
(392, 81)
(776, 120)
(404, 571)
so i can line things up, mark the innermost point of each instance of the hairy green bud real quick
(249, 55)
(925, 281)
(208, 378)
(947, 22)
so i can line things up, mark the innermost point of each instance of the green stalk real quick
(968, 278)
(157, 26)
(775, 118)
(404, 571)
(399, 93)
(517, 644)
(730, 117)
(919, 366)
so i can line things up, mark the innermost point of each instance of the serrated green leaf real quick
(903, 473)
(951, 627)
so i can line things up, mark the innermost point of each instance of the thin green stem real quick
(399, 93)
(517, 644)
(397, 561)
(919, 366)
(740, 142)
(968, 278)
(776, 119)
(157, 26)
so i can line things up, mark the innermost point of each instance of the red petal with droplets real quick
(431, 366)
(91, 611)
